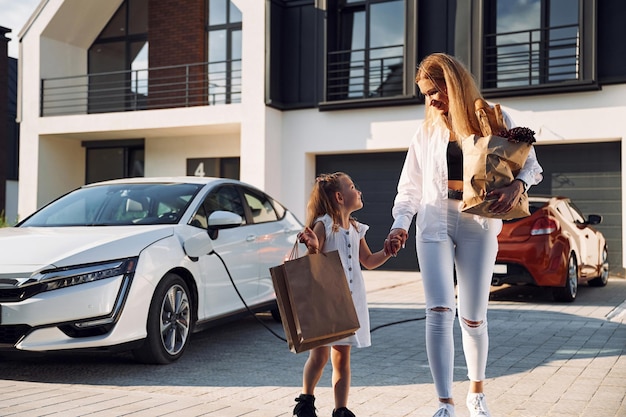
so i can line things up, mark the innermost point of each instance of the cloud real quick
(14, 16)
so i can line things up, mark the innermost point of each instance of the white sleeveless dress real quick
(347, 242)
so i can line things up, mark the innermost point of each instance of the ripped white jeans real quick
(472, 246)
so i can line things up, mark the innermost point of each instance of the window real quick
(121, 46)
(107, 160)
(261, 208)
(366, 53)
(225, 198)
(543, 44)
(224, 46)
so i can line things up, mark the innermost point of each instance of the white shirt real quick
(423, 183)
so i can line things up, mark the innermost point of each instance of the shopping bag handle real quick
(294, 253)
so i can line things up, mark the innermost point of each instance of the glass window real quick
(576, 213)
(120, 204)
(225, 198)
(217, 12)
(122, 46)
(367, 58)
(107, 160)
(262, 210)
(535, 43)
(224, 45)
(200, 218)
(117, 25)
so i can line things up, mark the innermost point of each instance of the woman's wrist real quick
(524, 185)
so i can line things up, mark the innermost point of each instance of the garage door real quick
(376, 175)
(589, 174)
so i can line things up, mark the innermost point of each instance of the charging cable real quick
(276, 334)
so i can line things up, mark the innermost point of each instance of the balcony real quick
(359, 74)
(202, 84)
(545, 58)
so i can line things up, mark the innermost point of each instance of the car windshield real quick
(118, 204)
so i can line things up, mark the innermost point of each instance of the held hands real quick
(309, 238)
(395, 241)
(506, 197)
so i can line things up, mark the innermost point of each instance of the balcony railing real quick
(208, 83)
(365, 73)
(532, 57)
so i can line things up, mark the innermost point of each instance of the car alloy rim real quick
(175, 315)
(572, 276)
(605, 266)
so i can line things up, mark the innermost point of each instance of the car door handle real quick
(250, 238)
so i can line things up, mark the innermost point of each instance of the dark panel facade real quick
(295, 54)
(611, 47)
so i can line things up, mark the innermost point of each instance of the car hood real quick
(28, 249)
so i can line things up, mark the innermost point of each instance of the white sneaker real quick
(445, 410)
(477, 405)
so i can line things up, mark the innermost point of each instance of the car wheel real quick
(169, 322)
(276, 315)
(603, 278)
(568, 292)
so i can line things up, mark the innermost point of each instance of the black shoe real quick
(343, 412)
(305, 406)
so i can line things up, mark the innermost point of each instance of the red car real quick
(553, 247)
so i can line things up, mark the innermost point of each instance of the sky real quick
(13, 15)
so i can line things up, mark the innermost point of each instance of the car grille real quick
(14, 294)
(11, 334)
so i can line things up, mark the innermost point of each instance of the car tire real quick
(603, 278)
(568, 292)
(169, 322)
(276, 315)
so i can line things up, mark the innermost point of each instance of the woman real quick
(430, 186)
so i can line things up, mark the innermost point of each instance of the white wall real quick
(61, 168)
(167, 156)
(11, 205)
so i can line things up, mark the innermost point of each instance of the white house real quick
(274, 92)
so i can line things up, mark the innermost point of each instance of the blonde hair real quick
(451, 78)
(322, 200)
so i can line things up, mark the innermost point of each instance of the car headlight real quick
(66, 277)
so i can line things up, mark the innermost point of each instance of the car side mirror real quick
(594, 219)
(201, 244)
(219, 220)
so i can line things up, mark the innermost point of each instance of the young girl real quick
(330, 227)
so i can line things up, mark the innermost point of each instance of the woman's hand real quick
(506, 197)
(395, 241)
(310, 240)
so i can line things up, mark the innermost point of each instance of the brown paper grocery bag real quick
(491, 162)
(314, 301)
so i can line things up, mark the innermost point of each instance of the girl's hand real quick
(395, 241)
(309, 238)
(395, 244)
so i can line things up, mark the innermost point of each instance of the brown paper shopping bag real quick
(314, 301)
(492, 161)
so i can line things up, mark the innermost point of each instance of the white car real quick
(140, 264)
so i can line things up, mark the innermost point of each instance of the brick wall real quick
(177, 36)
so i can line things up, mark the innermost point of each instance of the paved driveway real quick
(546, 359)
